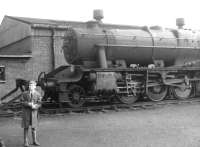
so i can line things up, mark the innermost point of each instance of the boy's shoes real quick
(26, 145)
(36, 143)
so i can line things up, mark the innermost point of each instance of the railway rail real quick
(119, 107)
(52, 109)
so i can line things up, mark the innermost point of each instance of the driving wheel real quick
(76, 96)
(157, 93)
(182, 92)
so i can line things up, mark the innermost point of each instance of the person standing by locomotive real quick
(31, 101)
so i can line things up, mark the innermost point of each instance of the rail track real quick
(52, 109)
(118, 107)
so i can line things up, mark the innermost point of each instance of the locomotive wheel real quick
(127, 99)
(76, 96)
(182, 92)
(157, 93)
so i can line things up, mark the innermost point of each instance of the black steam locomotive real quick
(105, 64)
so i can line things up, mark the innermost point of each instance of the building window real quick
(2, 74)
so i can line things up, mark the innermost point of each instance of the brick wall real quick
(14, 68)
(41, 57)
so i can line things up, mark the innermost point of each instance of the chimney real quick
(180, 22)
(98, 15)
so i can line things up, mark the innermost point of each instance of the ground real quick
(170, 126)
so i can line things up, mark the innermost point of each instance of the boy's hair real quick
(32, 82)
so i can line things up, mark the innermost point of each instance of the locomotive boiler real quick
(141, 46)
(127, 63)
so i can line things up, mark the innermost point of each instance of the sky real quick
(128, 12)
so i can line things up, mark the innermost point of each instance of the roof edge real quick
(64, 25)
(18, 19)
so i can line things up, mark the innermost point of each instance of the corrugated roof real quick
(48, 22)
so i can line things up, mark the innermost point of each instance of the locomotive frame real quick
(134, 83)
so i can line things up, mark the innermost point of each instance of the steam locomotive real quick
(125, 64)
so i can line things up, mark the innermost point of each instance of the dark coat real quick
(30, 115)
